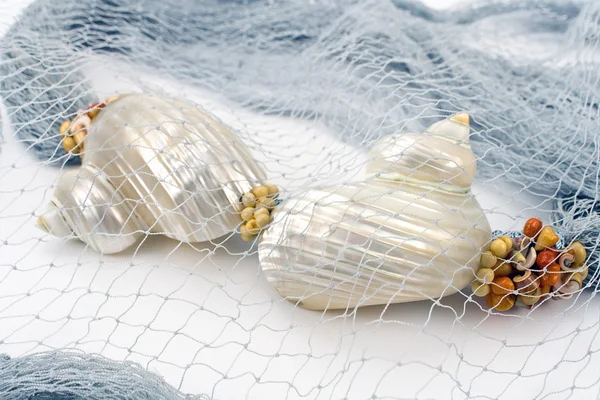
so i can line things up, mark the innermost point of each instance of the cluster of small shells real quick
(256, 214)
(529, 268)
(73, 131)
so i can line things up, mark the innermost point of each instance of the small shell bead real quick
(488, 260)
(502, 302)
(260, 191)
(246, 237)
(502, 285)
(485, 275)
(480, 289)
(546, 238)
(247, 213)
(262, 220)
(502, 268)
(273, 190)
(252, 227)
(578, 252)
(249, 200)
(261, 210)
(499, 248)
(69, 144)
(508, 241)
(64, 127)
(267, 202)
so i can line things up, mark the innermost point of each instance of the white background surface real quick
(208, 309)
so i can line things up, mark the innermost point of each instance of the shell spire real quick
(439, 157)
(456, 128)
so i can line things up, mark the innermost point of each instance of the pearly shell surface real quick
(411, 231)
(153, 164)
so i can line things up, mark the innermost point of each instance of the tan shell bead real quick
(94, 109)
(267, 202)
(79, 138)
(487, 260)
(485, 275)
(261, 210)
(262, 220)
(93, 113)
(64, 127)
(579, 253)
(249, 200)
(499, 248)
(80, 123)
(502, 268)
(584, 271)
(68, 144)
(252, 227)
(260, 191)
(273, 190)
(531, 299)
(480, 289)
(247, 213)
(508, 241)
(246, 237)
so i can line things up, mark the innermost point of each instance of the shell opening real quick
(53, 222)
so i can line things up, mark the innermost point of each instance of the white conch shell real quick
(412, 231)
(153, 164)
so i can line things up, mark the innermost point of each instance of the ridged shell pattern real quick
(153, 164)
(411, 231)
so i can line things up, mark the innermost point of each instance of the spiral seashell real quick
(412, 231)
(153, 164)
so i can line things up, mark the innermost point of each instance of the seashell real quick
(502, 285)
(531, 298)
(412, 231)
(488, 260)
(500, 248)
(546, 238)
(566, 262)
(500, 302)
(579, 253)
(568, 285)
(532, 227)
(503, 268)
(526, 283)
(153, 164)
(517, 259)
(485, 275)
(529, 261)
(524, 245)
(480, 289)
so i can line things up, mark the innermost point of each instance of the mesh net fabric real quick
(310, 86)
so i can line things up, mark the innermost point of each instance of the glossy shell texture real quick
(153, 164)
(411, 231)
